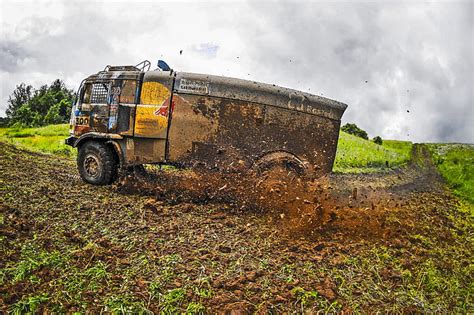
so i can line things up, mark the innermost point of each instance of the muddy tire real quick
(97, 163)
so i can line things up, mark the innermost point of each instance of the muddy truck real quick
(128, 116)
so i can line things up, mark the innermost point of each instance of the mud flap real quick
(70, 141)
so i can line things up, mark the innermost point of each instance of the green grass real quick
(356, 155)
(428, 283)
(455, 162)
(28, 305)
(32, 260)
(47, 139)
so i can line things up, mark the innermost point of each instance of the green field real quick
(455, 162)
(356, 155)
(48, 139)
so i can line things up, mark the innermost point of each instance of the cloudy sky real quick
(405, 69)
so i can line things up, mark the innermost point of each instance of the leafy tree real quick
(353, 129)
(47, 105)
(24, 116)
(378, 140)
(21, 95)
(52, 116)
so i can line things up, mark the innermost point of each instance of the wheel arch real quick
(109, 139)
(280, 157)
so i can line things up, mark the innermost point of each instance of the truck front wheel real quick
(96, 163)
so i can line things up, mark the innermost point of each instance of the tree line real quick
(30, 107)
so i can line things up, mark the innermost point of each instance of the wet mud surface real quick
(227, 242)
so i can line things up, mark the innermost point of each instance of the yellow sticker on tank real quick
(154, 93)
(148, 124)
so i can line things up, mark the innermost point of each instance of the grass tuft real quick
(33, 260)
(28, 305)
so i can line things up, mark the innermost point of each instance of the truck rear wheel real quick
(96, 163)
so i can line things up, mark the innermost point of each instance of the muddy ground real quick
(175, 241)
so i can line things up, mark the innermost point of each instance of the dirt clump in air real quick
(350, 205)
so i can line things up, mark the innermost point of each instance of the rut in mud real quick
(185, 240)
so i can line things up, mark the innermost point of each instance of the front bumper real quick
(70, 141)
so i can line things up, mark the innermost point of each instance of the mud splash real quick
(357, 206)
(295, 207)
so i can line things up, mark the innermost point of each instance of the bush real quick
(353, 129)
(4, 121)
(378, 140)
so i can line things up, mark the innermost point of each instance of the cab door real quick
(113, 101)
(122, 101)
